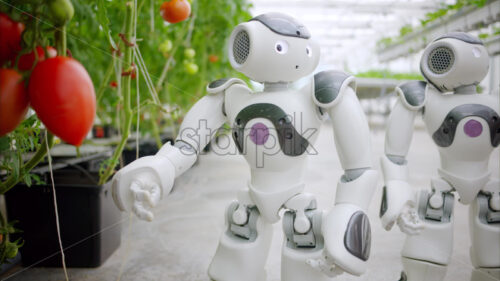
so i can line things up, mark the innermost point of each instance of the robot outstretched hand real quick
(401, 209)
(139, 186)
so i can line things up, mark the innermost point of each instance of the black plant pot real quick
(90, 222)
(146, 148)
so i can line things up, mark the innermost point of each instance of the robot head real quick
(453, 60)
(273, 47)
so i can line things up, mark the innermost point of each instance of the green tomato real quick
(61, 11)
(191, 68)
(166, 46)
(11, 250)
(189, 53)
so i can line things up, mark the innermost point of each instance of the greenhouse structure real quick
(250, 140)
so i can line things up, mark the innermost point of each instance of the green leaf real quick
(4, 143)
(27, 179)
(15, 166)
(37, 179)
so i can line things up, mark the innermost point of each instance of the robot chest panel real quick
(468, 125)
(274, 123)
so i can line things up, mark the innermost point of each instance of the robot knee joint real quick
(301, 234)
(489, 213)
(242, 221)
(436, 206)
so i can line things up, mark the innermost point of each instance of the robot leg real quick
(303, 239)
(425, 256)
(484, 224)
(244, 245)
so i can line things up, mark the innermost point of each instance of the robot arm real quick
(346, 227)
(335, 93)
(398, 200)
(140, 185)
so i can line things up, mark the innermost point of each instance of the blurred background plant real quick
(168, 70)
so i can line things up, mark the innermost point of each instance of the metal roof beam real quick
(371, 7)
(467, 19)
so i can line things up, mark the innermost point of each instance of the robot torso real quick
(466, 129)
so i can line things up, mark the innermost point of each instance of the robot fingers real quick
(329, 269)
(409, 221)
(146, 196)
(142, 212)
(148, 192)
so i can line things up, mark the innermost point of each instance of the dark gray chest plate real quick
(445, 134)
(291, 142)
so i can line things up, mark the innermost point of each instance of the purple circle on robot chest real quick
(259, 133)
(473, 128)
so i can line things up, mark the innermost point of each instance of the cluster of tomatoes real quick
(58, 88)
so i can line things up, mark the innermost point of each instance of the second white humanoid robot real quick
(465, 126)
(274, 130)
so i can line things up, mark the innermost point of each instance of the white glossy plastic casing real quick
(470, 64)
(298, 56)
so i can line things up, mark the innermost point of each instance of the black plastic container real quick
(89, 220)
(146, 148)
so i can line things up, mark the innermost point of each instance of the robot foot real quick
(416, 270)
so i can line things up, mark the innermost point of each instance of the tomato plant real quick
(13, 100)
(175, 11)
(10, 44)
(62, 94)
(29, 60)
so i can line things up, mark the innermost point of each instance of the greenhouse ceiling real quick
(348, 31)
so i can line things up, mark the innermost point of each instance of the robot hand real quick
(146, 195)
(329, 269)
(347, 238)
(408, 220)
(139, 186)
(398, 206)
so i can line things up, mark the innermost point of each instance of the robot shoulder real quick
(223, 84)
(412, 94)
(329, 87)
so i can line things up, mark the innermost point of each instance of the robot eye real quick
(308, 51)
(281, 47)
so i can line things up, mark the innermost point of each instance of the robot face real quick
(453, 60)
(273, 47)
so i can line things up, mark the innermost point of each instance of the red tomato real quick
(10, 44)
(175, 10)
(13, 100)
(62, 95)
(213, 58)
(26, 61)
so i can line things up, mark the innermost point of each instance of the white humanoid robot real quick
(465, 127)
(273, 130)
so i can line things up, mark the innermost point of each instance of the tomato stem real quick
(60, 38)
(126, 88)
(11, 181)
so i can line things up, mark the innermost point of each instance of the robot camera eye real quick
(281, 47)
(241, 47)
(441, 60)
(308, 51)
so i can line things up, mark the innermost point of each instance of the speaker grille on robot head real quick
(241, 47)
(441, 60)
